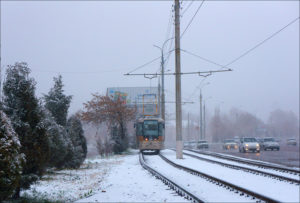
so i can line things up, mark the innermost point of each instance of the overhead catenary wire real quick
(199, 7)
(187, 8)
(204, 59)
(262, 42)
(249, 50)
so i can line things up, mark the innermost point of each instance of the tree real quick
(10, 158)
(57, 102)
(58, 141)
(114, 113)
(75, 133)
(24, 110)
(284, 124)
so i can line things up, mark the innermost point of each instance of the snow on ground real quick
(130, 182)
(257, 161)
(279, 190)
(296, 177)
(71, 185)
(203, 189)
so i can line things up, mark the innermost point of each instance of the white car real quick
(248, 144)
(270, 143)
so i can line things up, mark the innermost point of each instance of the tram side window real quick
(139, 130)
(161, 129)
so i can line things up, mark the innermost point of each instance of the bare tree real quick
(114, 113)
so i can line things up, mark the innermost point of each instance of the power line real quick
(187, 8)
(149, 62)
(204, 59)
(262, 42)
(245, 53)
(192, 18)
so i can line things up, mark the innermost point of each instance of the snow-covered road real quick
(279, 190)
(129, 182)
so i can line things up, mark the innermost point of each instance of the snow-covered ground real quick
(278, 190)
(129, 182)
(116, 179)
(71, 185)
(272, 171)
(122, 179)
(201, 188)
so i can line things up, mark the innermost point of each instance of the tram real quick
(150, 134)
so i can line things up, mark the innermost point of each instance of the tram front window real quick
(151, 128)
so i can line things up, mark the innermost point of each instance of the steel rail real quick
(179, 190)
(263, 165)
(222, 183)
(246, 169)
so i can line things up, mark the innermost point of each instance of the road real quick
(288, 155)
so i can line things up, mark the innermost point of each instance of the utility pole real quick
(204, 122)
(201, 121)
(178, 83)
(188, 130)
(163, 86)
(159, 99)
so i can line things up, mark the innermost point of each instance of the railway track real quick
(234, 188)
(249, 162)
(178, 189)
(251, 170)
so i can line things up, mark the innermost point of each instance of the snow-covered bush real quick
(57, 102)
(10, 158)
(23, 108)
(75, 133)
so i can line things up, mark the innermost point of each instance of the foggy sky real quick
(92, 44)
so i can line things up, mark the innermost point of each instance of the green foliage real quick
(58, 141)
(23, 108)
(77, 155)
(10, 158)
(57, 102)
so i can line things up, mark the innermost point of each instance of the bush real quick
(10, 158)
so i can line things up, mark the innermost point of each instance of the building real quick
(146, 99)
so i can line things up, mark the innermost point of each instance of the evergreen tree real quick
(10, 158)
(58, 141)
(23, 108)
(57, 102)
(75, 133)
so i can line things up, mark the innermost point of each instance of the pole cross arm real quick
(203, 73)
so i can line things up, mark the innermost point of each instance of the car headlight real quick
(246, 145)
(257, 145)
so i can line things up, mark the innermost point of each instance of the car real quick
(230, 144)
(291, 141)
(260, 141)
(270, 143)
(202, 144)
(248, 144)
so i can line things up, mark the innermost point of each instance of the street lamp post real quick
(201, 113)
(163, 78)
